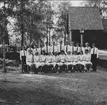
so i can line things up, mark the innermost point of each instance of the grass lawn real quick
(54, 89)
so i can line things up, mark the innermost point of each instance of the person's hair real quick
(77, 43)
(86, 51)
(62, 52)
(30, 51)
(81, 52)
(23, 47)
(36, 53)
(75, 52)
(69, 52)
(86, 43)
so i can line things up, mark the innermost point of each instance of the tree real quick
(63, 19)
(30, 17)
(93, 3)
(34, 15)
(102, 4)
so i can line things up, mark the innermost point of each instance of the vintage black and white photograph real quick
(53, 52)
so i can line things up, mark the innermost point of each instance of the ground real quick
(54, 89)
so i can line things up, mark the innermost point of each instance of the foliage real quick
(63, 18)
(93, 3)
(33, 16)
(102, 4)
(30, 17)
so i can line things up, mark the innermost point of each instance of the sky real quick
(73, 2)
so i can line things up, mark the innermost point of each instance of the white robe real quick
(29, 59)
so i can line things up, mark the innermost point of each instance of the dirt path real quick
(54, 89)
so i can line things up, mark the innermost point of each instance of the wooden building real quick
(86, 25)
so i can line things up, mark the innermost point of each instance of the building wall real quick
(99, 37)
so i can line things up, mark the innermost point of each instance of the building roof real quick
(87, 18)
(105, 24)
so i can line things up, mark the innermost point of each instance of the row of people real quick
(58, 63)
(58, 48)
(62, 60)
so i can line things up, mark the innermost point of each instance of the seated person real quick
(53, 62)
(75, 60)
(69, 60)
(88, 63)
(42, 61)
(49, 62)
(81, 62)
(37, 62)
(30, 61)
(63, 66)
(57, 63)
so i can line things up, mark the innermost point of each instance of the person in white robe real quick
(87, 47)
(88, 62)
(30, 61)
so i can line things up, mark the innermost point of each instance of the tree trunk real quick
(4, 69)
(22, 28)
(4, 33)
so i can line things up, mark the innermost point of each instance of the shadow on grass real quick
(38, 96)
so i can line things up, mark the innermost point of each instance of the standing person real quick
(94, 56)
(68, 48)
(23, 58)
(57, 48)
(73, 48)
(77, 48)
(82, 49)
(34, 49)
(39, 50)
(50, 49)
(63, 48)
(37, 62)
(87, 47)
(29, 48)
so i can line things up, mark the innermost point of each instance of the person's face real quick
(34, 46)
(37, 54)
(93, 45)
(86, 52)
(87, 45)
(77, 44)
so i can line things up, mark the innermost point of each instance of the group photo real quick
(53, 52)
(57, 59)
